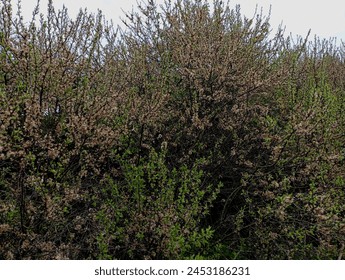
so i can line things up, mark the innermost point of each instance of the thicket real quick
(193, 132)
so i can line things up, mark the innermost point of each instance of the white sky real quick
(325, 18)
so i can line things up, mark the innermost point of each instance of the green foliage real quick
(154, 212)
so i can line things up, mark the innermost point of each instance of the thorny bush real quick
(190, 133)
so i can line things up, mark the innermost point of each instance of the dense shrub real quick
(155, 212)
(191, 133)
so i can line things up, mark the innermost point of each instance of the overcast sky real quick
(324, 18)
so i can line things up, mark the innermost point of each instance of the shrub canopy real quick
(193, 132)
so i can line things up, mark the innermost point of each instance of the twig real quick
(341, 251)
